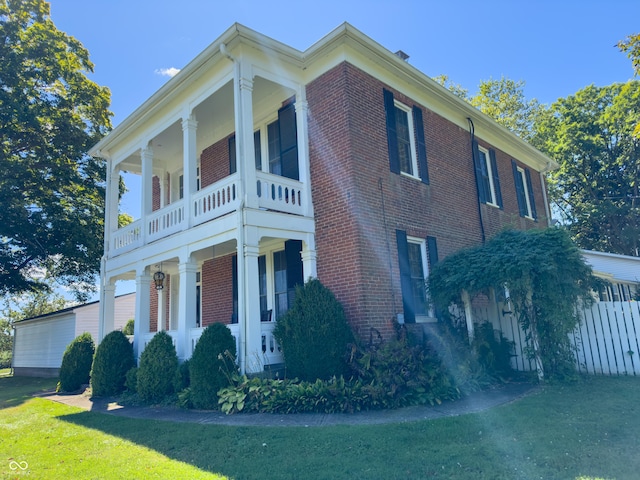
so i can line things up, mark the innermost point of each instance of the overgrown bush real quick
(129, 326)
(210, 366)
(546, 278)
(114, 358)
(158, 369)
(131, 380)
(76, 363)
(493, 350)
(314, 334)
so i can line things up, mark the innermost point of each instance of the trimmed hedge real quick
(314, 334)
(76, 363)
(210, 366)
(114, 358)
(158, 369)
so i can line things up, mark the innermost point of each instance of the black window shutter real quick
(480, 173)
(232, 155)
(405, 277)
(288, 141)
(392, 134)
(418, 125)
(496, 178)
(257, 151)
(432, 251)
(234, 282)
(532, 200)
(517, 178)
(292, 253)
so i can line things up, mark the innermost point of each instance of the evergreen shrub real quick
(158, 369)
(211, 365)
(76, 363)
(114, 358)
(314, 334)
(128, 328)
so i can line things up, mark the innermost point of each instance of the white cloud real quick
(167, 72)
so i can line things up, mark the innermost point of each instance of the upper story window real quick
(405, 138)
(524, 191)
(281, 142)
(487, 177)
(405, 135)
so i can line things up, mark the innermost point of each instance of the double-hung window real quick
(405, 138)
(412, 257)
(280, 150)
(524, 191)
(487, 178)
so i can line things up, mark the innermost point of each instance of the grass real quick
(586, 430)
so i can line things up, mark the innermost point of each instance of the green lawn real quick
(587, 430)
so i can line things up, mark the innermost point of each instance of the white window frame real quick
(525, 189)
(492, 188)
(429, 317)
(412, 140)
(268, 252)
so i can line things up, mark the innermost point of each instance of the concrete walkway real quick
(476, 402)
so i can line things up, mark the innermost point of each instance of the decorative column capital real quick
(245, 83)
(189, 123)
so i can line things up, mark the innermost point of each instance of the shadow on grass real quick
(15, 391)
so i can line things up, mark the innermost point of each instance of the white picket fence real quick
(607, 340)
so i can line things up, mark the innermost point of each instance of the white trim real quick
(493, 201)
(430, 316)
(525, 189)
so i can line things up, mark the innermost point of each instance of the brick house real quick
(262, 166)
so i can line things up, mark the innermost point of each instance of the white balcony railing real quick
(273, 191)
(280, 193)
(127, 238)
(166, 221)
(216, 200)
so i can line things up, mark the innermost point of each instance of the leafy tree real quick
(51, 191)
(596, 189)
(631, 46)
(457, 89)
(504, 101)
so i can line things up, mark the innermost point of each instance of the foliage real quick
(131, 379)
(128, 328)
(631, 46)
(596, 188)
(51, 191)
(493, 350)
(158, 369)
(505, 102)
(314, 334)
(76, 363)
(114, 358)
(546, 278)
(6, 343)
(211, 364)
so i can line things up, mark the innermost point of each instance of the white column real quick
(143, 310)
(309, 265)
(254, 362)
(190, 164)
(111, 206)
(187, 270)
(302, 126)
(146, 190)
(468, 314)
(107, 310)
(162, 309)
(245, 151)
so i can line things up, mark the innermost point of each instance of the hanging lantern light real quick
(158, 279)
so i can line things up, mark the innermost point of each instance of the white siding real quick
(41, 343)
(87, 316)
(623, 268)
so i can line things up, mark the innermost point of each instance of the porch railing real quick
(280, 193)
(216, 200)
(127, 238)
(166, 221)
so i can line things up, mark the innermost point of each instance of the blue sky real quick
(557, 47)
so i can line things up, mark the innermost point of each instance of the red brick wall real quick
(352, 187)
(214, 162)
(217, 291)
